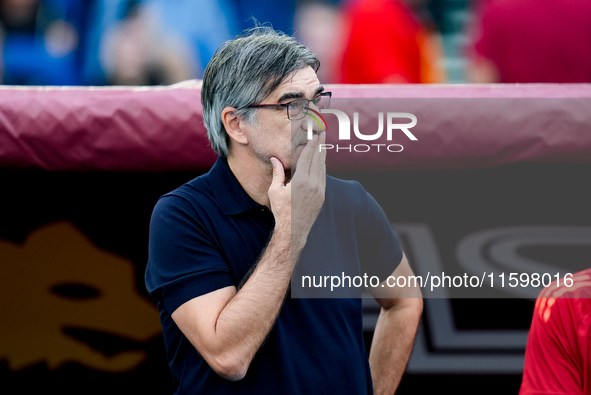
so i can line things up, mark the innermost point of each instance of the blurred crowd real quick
(154, 42)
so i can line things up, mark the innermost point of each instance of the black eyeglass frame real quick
(279, 106)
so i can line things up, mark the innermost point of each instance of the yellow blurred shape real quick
(34, 315)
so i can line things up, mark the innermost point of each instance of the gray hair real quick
(245, 71)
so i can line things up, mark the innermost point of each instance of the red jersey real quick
(559, 348)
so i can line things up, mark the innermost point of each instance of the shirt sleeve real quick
(184, 260)
(380, 249)
(553, 359)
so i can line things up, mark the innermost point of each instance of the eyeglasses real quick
(298, 108)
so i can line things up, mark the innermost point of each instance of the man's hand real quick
(228, 326)
(309, 182)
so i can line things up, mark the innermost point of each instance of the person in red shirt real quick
(558, 349)
(531, 41)
(386, 43)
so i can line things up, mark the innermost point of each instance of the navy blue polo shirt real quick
(207, 234)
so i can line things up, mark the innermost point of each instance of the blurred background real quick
(77, 318)
(156, 42)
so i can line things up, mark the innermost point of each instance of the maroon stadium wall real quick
(497, 182)
(161, 128)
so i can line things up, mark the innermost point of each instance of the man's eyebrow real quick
(319, 90)
(298, 95)
(290, 95)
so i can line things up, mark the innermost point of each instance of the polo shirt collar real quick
(228, 192)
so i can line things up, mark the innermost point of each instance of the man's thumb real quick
(278, 171)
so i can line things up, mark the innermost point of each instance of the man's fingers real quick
(278, 172)
(319, 157)
(306, 156)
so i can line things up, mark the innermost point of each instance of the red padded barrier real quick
(161, 129)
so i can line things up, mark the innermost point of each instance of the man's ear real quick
(232, 124)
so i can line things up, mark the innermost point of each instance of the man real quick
(224, 247)
(558, 346)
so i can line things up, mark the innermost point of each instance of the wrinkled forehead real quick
(302, 83)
